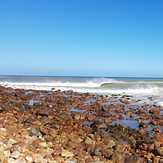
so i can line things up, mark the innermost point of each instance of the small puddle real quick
(77, 110)
(134, 106)
(90, 101)
(161, 112)
(28, 93)
(33, 102)
(161, 128)
(127, 122)
(29, 104)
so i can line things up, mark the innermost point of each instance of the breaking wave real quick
(93, 85)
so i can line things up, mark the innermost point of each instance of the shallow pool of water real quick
(128, 123)
(77, 110)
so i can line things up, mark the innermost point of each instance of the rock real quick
(111, 144)
(66, 153)
(155, 111)
(71, 161)
(43, 144)
(77, 116)
(161, 122)
(11, 160)
(151, 147)
(118, 158)
(91, 117)
(3, 132)
(97, 151)
(2, 157)
(15, 154)
(1, 109)
(52, 161)
(20, 161)
(34, 132)
(119, 155)
(6, 153)
(88, 140)
(12, 141)
(134, 159)
(102, 126)
(160, 151)
(38, 158)
(109, 161)
(29, 158)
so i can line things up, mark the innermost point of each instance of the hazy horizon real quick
(76, 76)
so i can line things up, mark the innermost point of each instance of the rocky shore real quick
(69, 127)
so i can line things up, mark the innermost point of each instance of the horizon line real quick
(80, 76)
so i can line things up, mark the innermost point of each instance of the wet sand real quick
(70, 127)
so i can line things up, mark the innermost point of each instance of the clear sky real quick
(82, 37)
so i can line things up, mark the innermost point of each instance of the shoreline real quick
(71, 127)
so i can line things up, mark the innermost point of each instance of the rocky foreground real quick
(68, 127)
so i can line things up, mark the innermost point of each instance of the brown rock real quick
(66, 153)
(155, 111)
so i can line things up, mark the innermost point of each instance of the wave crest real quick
(96, 82)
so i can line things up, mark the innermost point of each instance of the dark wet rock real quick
(1, 109)
(141, 125)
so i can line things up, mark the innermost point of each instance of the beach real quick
(81, 81)
(58, 126)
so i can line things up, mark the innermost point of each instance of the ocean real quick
(138, 87)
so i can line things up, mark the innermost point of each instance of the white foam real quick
(140, 91)
(91, 87)
(160, 103)
(96, 82)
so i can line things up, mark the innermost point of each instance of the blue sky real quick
(82, 37)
